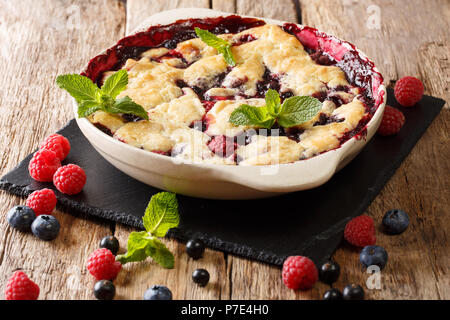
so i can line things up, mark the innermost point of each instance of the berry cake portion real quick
(189, 91)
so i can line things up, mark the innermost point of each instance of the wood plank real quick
(224, 5)
(281, 10)
(421, 186)
(254, 281)
(138, 10)
(418, 264)
(37, 43)
(393, 45)
(149, 273)
(250, 279)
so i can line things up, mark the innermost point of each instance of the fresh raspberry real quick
(56, 139)
(20, 287)
(408, 91)
(69, 179)
(360, 231)
(42, 201)
(103, 265)
(223, 146)
(43, 165)
(299, 273)
(56, 147)
(392, 121)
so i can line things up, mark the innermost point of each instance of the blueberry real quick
(21, 217)
(104, 290)
(395, 221)
(45, 227)
(170, 44)
(353, 292)
(111, 243)
(158, 293)
(332, 294)
(195, 248)
(329, 272)
(373, 255)
(200, 277)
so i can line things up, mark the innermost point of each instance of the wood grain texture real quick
(37, 43)
(224, 5)
(138, 10)
(281, 10)
(136, 278)
(418, 266)
(390, 32)
(249, 279)
(144, 275)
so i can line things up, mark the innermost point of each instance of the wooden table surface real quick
(44, 38)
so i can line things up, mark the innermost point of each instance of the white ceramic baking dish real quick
(222, 181)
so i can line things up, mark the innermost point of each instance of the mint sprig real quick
(91, 98)
(294, 111)
(160, 216)
(222, 46)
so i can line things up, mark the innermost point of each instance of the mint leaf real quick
(246, 115)
(297, 110)
(80, 87)
(227, 55)
(159, 252)
(161, 214)
(126, 105)
(142, 245)
(90, 98)
(273, 102)
(293, 111)
(115, 83)
(87, 107)
(210, 38)
(136, 248)
(222, 46)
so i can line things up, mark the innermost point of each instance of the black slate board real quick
(303, 223)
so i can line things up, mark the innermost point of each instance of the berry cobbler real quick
(189, 90)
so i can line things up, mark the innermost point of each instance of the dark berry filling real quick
(323, 119)
(323, 49)
(173, 54)
(321, 58)
(170, 44)
(294, 133)
(332, 94)
(131, 117)
(321, 95)
(125, 53)
(328, 50)
(203, 85)
(358, 72)
(244, 39)
(167, 36)
(360, 130)
(103, 129)
(238, 82)
(269, 81)
(208, 105)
